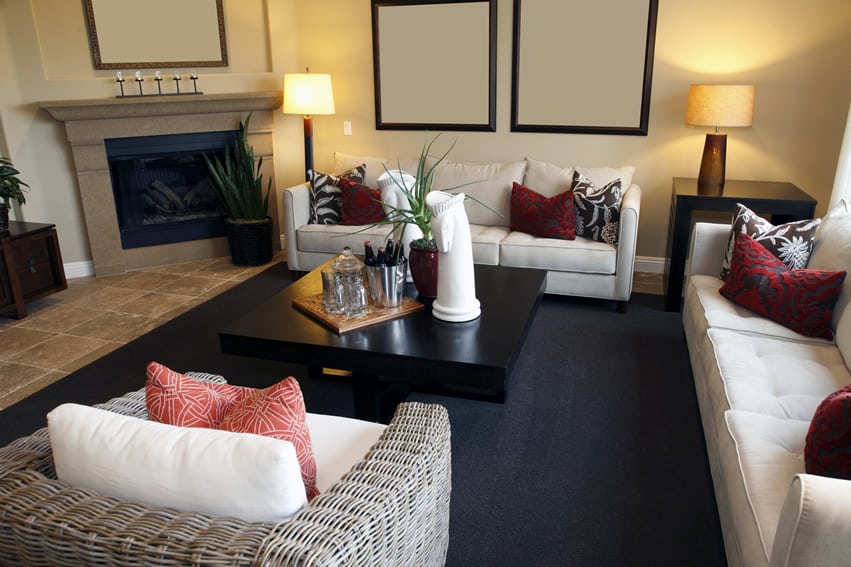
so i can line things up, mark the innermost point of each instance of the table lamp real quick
(720, 106)
(307, 94)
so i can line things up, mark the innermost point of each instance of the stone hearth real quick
(89, 121)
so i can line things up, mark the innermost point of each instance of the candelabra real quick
(158, 77)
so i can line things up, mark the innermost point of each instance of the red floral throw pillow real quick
(802, 300)
(537, 215)
(361, 203)
(827, 447)
(277, 411)
(177, 399)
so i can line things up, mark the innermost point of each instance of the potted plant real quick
(238, 184)
(11, 189)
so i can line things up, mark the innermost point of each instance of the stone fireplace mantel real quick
(88, 122)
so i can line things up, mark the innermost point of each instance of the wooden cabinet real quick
(30, 265)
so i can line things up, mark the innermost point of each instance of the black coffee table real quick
(474, 358)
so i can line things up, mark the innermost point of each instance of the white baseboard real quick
(79, 270)
(650, 264)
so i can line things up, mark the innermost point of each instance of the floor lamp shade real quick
(720, 106)
(308, 94)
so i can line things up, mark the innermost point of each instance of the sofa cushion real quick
(195, 469)
(361, 203)
(602, 176)
(791, 242)
(489, 183)
(597, 209)
(802, 300)
(375, 165)
(827, 450)
(546, 178)
(552, 217)
(486, 241)
(331, 239)
(326, 206)
(522, 250)
(760, 374)
(769, 453)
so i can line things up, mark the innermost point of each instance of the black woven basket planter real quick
(249, 241)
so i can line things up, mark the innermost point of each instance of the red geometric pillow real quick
(827, 448)
(802, 300)
(361, 203)
(277, 411)
(177, 399)
(537, 215)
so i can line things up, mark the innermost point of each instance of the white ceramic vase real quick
(456, 280)
(390, 183)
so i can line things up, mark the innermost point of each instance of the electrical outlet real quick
(347, 128)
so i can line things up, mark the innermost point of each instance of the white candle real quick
(177, 76)
(119, 76)
(158, 76)
(138, 75)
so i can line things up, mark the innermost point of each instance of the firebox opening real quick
(161, 190)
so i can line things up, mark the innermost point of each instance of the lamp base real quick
(710, 180)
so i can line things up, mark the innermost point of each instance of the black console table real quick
(784, 202)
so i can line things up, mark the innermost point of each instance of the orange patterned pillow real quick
(277, 411)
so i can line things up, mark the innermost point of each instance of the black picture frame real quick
(447, 81)
(577, 108)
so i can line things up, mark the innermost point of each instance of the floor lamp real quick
(718, 106)
(307, 94)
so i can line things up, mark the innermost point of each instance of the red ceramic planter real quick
(423, 263)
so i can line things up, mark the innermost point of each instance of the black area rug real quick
(596, 458)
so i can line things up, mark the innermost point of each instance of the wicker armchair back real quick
(392, 508)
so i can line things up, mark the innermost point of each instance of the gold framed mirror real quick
(434, 64)
(134, 34)
(582, 67)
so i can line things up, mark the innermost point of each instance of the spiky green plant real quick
(237, 181)
(11, 187)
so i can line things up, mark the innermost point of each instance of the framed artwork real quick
(134, 34)
(434, 64)
(582, 67)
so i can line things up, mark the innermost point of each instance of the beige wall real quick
(794, 52)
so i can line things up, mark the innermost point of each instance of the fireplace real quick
(160, 186)
(91, 123)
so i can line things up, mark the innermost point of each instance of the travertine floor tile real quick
(57, 351)
(14, 341)
(191, 286)
(59, 319)
(153, 304)
(109, 325)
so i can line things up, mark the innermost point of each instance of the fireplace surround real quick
(89, 122)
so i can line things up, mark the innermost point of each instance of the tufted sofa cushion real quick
(490, 183)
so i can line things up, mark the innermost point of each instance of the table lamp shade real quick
(308, 93)
(718, 106)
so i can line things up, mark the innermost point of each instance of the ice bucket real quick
(386, 284)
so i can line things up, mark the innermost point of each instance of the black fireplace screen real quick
(161, 190)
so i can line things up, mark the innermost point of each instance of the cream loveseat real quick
(390, 508)
(581, 267)
(758, 384)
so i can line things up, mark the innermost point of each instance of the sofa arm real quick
(708, 246)
(627, 241)
(293, 213)
(815, 523)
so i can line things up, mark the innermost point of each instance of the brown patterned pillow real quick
(597, 209)
(326, 205)
(792, 242)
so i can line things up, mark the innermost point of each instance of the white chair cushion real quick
(582, 255)
(251, 477)
(491, 184)
(338, 444)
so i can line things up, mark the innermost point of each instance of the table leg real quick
(679, 241)
(367, 396)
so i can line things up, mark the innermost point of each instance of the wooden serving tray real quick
(342, 323)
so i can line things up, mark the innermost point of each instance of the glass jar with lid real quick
(351, 279)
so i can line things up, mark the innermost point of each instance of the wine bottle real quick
(379, 258)
(368, 254)
(389, 259)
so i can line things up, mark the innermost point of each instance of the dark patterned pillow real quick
(361, 203)
(802, 300)
(597, 209)
(326, 206)
(791, 242)
(827, 447)
(537, 215)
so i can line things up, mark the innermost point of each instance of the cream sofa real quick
(758, 384)
(580, 267)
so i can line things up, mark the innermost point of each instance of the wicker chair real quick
(391, 508)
